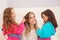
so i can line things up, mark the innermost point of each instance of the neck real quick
(32, 26)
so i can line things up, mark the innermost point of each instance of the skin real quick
(32, 20)
(45, 18)
(13, 13)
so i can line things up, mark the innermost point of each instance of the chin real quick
(34, 23)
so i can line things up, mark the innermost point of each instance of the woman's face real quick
(45, 18)
(13, 13)
(32, 19)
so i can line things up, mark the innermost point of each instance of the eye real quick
(30, 18)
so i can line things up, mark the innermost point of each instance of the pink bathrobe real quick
(17, 30)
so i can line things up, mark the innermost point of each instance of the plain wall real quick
(37, 6)
(33, 3)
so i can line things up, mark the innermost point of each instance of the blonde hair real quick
(7, 19)
(27, 24)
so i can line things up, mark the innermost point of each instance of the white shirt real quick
(32, 36)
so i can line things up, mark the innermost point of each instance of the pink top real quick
(16, 30)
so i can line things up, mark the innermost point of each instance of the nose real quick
(34, 19)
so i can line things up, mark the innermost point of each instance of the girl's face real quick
(13, 13)
(45, 18)
(32, 19)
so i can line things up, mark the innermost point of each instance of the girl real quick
(10, 27)
(30, 27)
(49, 26)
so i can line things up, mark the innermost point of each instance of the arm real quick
(4, 30)
(38, 32)
(21, 28)
(46, 31)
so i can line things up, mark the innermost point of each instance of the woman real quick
(49, 27)
(30, 27)
(10, 27)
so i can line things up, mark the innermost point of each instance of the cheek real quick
(30, 21)
(46, 19)
(13, 16)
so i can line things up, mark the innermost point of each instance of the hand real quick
(23, 20)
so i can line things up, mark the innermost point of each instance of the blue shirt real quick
(46, 31)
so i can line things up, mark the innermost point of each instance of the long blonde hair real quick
(27, 24)
(7, 19)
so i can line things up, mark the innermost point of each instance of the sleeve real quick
(46, 31)
(53, 31)
(4, 30)
(21, 28)
(38, 32)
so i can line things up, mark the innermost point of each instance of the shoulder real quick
(14, 26)
(49, 24)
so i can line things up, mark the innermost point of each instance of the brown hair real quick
(27, 24)
(7, 19)
(51, 17)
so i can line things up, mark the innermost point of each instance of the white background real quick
(37, 6)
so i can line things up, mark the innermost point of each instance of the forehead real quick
(12, 9)
(43, 15)
(31, 15)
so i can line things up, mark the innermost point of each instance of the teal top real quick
(46, 31)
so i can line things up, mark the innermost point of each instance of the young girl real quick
(30, 27)
(10, 27)
(49, 27)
